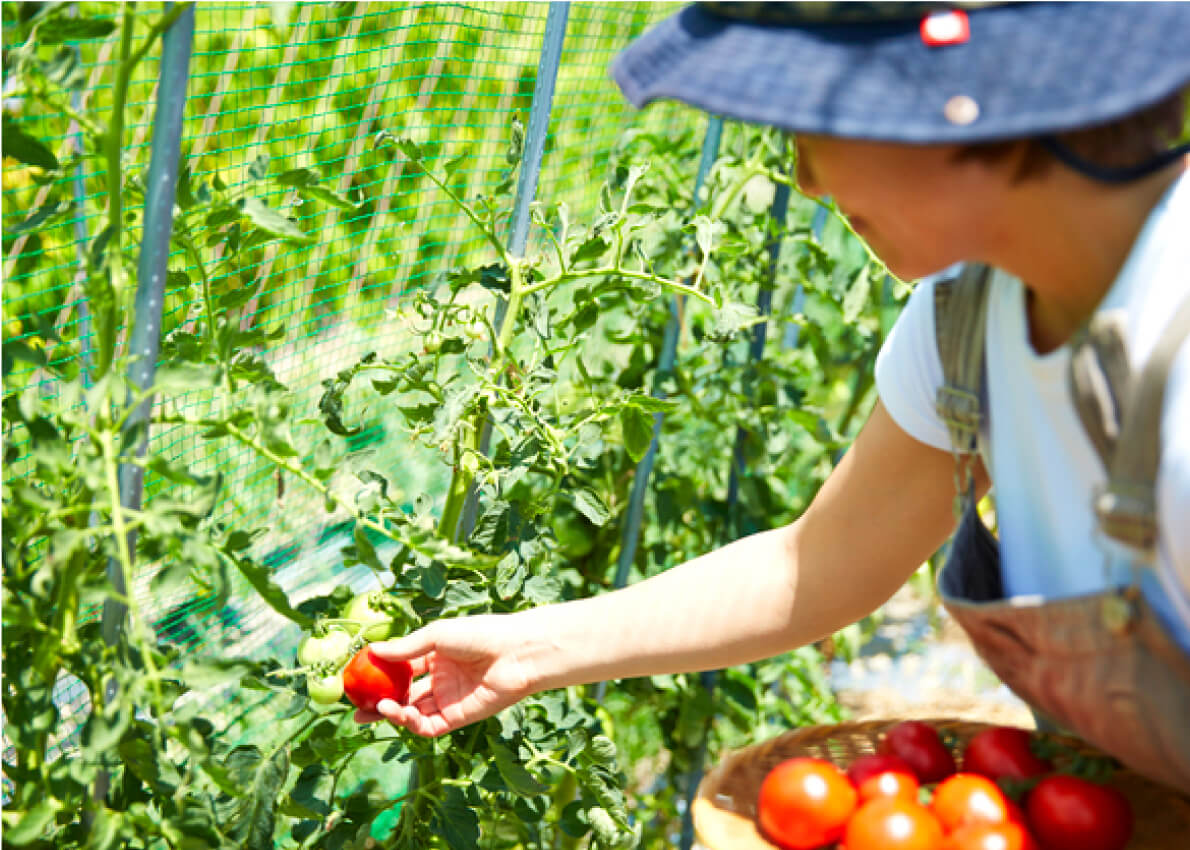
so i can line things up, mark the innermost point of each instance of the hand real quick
(464, 670)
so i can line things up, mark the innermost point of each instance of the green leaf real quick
(542, 589)
(515, 775)
(202, 674)
(60, 28)
(273, 222)
(261, 578)
(590, 505)
(23, 828)
(312, 792)
(637, 426)
(732, 318)
(463, 596)
(433, 580)
(327, 196)
(43, 215)
(65, 69)
(24, 148)
(704, 234)
(574, 819)
(857, 295)
(456, 820)
(254, 820)
(602, 750)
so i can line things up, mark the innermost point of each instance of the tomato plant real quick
(1066, 812)
(920, 745)
(805, 803)
(179, 739)
(893, 823)
(1004, 752)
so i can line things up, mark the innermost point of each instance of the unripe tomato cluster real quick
(339, 662)
(911, 795)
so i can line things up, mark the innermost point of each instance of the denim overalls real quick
(1101, 666)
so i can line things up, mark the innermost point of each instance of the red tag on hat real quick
(947, 27)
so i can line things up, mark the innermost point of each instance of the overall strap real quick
(960, 318)
(1122, 415)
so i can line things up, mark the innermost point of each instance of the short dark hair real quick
(1124, 143)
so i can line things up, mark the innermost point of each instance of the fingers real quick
(413, 647)
(429, 725)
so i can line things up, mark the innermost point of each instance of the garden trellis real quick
(311, 130)
(309, 85)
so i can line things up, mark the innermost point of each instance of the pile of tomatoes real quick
(912, 795)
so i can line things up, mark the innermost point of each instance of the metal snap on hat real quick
(914, 72)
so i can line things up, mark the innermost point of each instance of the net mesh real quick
(283, 86)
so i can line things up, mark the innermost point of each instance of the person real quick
(1023, 142)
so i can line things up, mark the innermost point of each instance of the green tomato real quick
(325, 690)
(377, 624)
(329, 649)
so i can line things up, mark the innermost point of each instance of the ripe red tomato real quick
(368, 678)
(1003, 752)
(991, 836)
(883, 776)
(1071, 813)
(967, 798)
(893, 823)
(919, 744)
(804, 803)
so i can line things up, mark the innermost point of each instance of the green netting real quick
(275, 87)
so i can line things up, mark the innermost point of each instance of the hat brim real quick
(1029, 68)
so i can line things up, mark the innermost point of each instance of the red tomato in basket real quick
(920, 745)
(1071, 813)
(991, 836)
(883, 776)
(1004, 752)
(804, 803)
(968, 798)
(893, 823)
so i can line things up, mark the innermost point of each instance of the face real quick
(918, 207)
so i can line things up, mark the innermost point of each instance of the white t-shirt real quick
(1043, 467)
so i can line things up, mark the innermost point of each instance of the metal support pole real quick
(630, 531)
(145, 342)
(80, 237)
(526, 193)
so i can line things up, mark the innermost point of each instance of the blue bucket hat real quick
(915, 72)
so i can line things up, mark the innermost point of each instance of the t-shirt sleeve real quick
(909, 372)
(1173, 484)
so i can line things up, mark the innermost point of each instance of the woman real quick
(1019, 140)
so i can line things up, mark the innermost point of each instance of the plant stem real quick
(608, 271)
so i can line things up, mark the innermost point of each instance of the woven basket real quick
(725, 808)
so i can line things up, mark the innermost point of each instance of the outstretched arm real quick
(882, 512)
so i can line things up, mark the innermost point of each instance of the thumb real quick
(413, 645)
